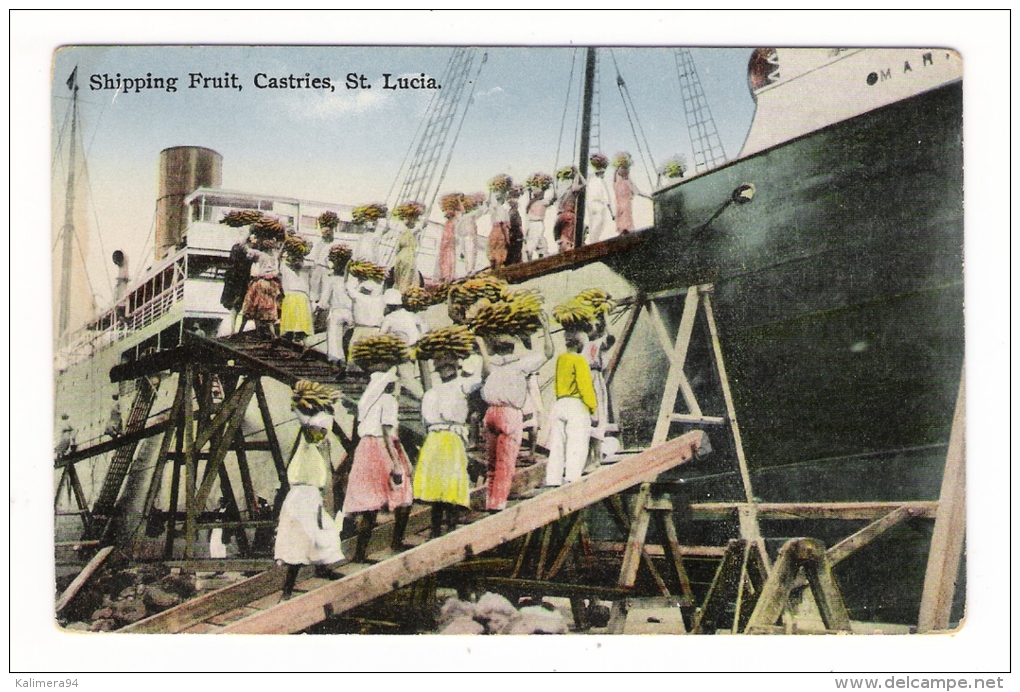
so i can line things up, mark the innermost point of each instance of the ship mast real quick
(68, 228)
(582, 164)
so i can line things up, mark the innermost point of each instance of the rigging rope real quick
(563, 120)
(628, 106)
(456, 135)
(421, 124)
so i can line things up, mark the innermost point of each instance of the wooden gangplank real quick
(195, 615)
(337, 597)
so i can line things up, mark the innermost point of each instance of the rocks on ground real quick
(494, 614)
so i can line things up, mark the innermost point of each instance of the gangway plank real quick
(337, 597)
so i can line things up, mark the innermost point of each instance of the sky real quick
(347, 145)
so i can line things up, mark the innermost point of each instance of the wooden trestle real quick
(551, 524)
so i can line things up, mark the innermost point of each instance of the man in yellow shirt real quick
(571, 417)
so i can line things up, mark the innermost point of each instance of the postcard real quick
(508, 340)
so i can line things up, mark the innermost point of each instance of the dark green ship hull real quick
(838, 295)
(838, 289)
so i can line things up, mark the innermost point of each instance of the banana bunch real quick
(416, 299)
(296, 246)
(268, 228)
(538, 181)
(574, 314)
(501, 183)
(339, 255)
(675, 167)
(384, 349)
(464, 294)
(313, 395)
(456, 341)
(518, 313)
(622, 160)
(567, 173)
(363, 269)
(243, 217)
(473, 201)
(409, 212)
(328, 219)
(598, 300)
(450, 204)
(367, 213)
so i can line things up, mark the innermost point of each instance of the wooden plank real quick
(678, 358)
(83, 577)
(190, 465)
(551, 588)
(224, 565)
(813, 510)
(161, 457)
(695, 551)
(111, 445)
(198, 609)
(250, 500)
(776, 591)
(723, 584)
(731, 411)
(621, 344)
(697, 419)
(573, 259)
(827, 596)
(232, 426)
(175, 478)
(202, 628)
(950, 527)
(858, 540)
(675, 552)
(573, 530)
(636, 538)
(303, 611)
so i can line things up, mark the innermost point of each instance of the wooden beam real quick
(621, 344)
(716, 511)
(677, 359)
(303, 611)
(724, 583)
(572, 259)
(111, 445)
(75, 586)
(950, 527)
(250, 499)
(636, 539)
(198, 609)
(161, 457)
(232, 426)
(274, 441)
(851, 544)
(190, 465)
(551, 588)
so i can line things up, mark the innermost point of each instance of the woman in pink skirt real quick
(624, 190)
(380, 473)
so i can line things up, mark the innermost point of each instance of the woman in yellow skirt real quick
(296, 310)
(441, 475)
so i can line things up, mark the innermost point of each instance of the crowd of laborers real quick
(514, 237)
(488, 353)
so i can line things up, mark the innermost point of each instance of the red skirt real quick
(263, 299)
(565, 230)
(370, 487)
(499, 239)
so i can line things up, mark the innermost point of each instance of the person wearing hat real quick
(408, 326)
(534, 237)
(307, 534)
(368, 306)
(624, 190)
(565, 228)
(66, 444)
(598, 212)
(115, 423)
(472, 206)
(441, 475)
(505, 392)
(570, 420)
(319, 257)
(265, 293)
(380, 470)
(499, 235)
(334, 297)
(296, 309)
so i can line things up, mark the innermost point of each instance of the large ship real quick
(832, 251)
